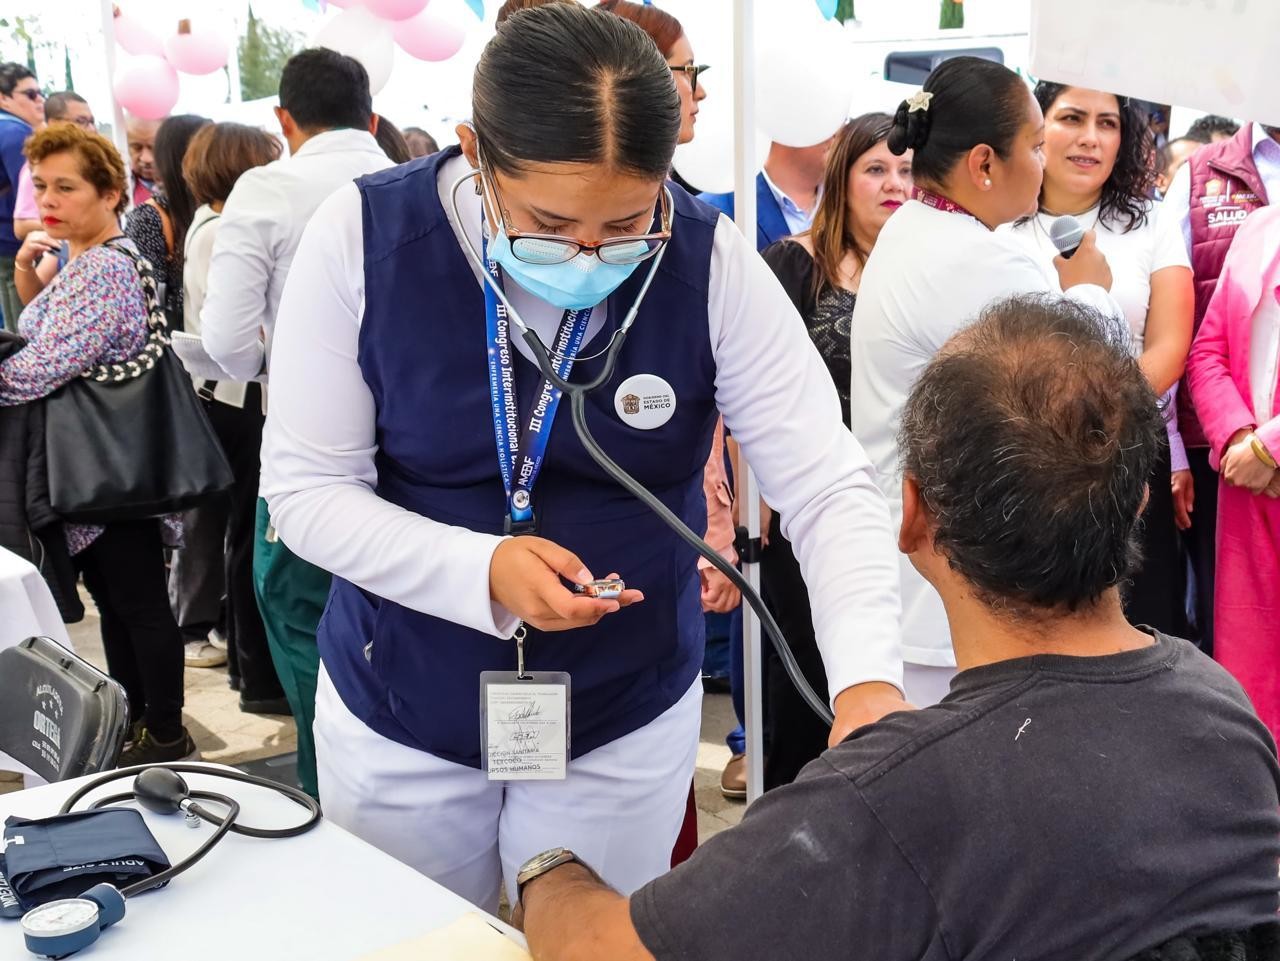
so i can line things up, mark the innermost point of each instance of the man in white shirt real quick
(326, 116)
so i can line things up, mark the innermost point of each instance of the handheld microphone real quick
(1066, 234)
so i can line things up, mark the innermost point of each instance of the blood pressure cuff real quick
(64, 856)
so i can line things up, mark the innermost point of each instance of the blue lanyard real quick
(521, 453)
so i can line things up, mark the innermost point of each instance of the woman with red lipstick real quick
(94, 312)
(1096, 170)
(820, 270)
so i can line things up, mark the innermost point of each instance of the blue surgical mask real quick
(575, 284)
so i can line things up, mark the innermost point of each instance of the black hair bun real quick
(910, 129)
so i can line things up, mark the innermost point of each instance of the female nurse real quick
(415, 450)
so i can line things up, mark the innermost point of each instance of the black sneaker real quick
(266, 705)
(135, 732)
(147, 750)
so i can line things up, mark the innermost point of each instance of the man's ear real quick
(913, 534)
(285, 119)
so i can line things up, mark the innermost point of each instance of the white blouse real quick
(929, 275)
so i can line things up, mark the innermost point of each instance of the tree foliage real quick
(263, 52)
(952, 16)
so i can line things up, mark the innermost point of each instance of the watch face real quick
(61, 917)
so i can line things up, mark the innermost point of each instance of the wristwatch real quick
(540, 864)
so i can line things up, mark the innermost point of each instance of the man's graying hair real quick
(1032, 436)
(564, 84)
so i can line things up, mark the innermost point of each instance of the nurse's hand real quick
(525, 577)
(1088, 265)
(864, 704)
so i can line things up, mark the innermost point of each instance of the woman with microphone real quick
(415, 449)
(1096, 170)
(977, 137)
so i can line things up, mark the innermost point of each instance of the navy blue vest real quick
(423, 353)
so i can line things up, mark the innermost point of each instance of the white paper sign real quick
(1219, 56)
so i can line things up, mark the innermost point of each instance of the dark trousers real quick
(217, 560)
(1156, 595)
(124, 572)
(1201, 542)
(795, 734)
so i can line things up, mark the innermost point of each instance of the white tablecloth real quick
(26, 609)
(323, 896)
(26, 606)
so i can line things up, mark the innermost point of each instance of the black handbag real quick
(131, 441)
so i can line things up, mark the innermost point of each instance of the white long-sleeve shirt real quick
(258, 234)
(929, 275)
(777, 399)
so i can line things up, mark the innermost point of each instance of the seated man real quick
(1086, 790)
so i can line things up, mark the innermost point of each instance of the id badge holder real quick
(524, 722)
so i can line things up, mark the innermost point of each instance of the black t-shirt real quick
(1050, 808)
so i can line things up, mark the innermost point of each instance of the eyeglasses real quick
(547, 249)
(30, 94)
(87, 123)
(692, 70)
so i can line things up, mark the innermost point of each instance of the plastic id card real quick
(524, 725)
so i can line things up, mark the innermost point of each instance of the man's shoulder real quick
(722, 202)
(13, 134)
(880, 750)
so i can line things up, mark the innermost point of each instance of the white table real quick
(26, 606)
(323, 896)
(26, 609)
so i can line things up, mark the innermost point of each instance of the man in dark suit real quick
(786, 191)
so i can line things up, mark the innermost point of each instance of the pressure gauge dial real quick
(60, 928)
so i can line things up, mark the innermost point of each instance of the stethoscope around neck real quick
(577, 393)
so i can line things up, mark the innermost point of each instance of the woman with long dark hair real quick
(415, 450)
(821, 270)
(1097, 150)
(976, 136)
(159, 226)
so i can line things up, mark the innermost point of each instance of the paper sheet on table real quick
(470, 938)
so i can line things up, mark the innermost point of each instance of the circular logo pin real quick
(520, 500)
(645, 401)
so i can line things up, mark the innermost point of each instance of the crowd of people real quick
(1007, 491)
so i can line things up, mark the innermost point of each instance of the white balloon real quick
(804, 80)
(706, 162)
(358, 33)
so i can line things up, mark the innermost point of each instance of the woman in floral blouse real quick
(94, 312)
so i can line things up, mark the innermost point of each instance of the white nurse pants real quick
(620, 808)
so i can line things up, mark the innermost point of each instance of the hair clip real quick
(919, 101)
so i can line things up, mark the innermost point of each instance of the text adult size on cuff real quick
(61, 856)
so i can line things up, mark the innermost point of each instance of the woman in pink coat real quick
(1233, 377)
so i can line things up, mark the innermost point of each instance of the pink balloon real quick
(147, 86)
(395, 9)
(428, 37)
(202, 49)
(134, 37)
